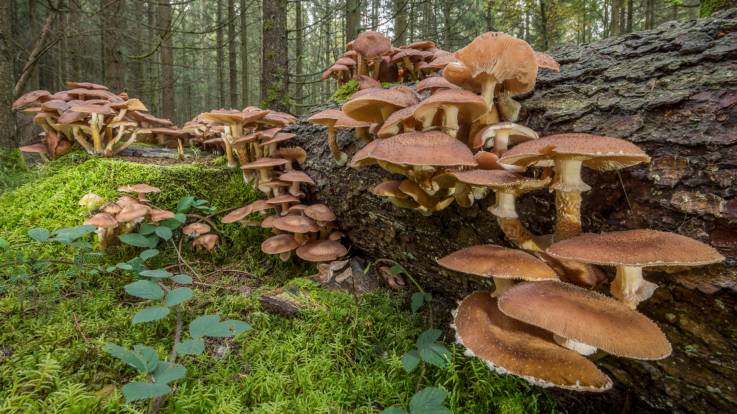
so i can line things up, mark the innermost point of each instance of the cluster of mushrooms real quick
(103, 123)
(122, 216)
(253, 139)
(454, 138)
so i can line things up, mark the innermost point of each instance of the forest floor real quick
(339, 355)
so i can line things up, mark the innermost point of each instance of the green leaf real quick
(155, 273)
(181, 218)
(199, 327)
(429, 401)
(148, 253)
(39, 234)
(167, 372)
(142, 358)
(419, 299)
(210, 325)
(410, 360)
(135, 239)
(163, 232)
(435, 354)
(397, 269)
(4, 244)
(191, 346)
(110, 269)
(144, 289)
(124, 266)
(137, 390)
(428, 337)
(393, 410)
(73, 233)
(152, 313)
(177, 296)
(146, 229)
(182, 279)
(185, 203)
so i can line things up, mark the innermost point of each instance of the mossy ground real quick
(332, 358)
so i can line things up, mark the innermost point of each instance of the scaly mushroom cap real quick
(295, 176)
(195, 229)
(326, 117)
(509, 346)
(435, 83)
(242, 212)
(86, 85)
(319, 212)
(102, 220)
(506, 59)
(517, 134)
(292, 154)
(279, 137)
(281, 243)
(131, 212)
(368, 106)
(93, 109)
(264, 163)
(336, 68)
(321, 251)
(488, 260)
(139, 189)
(547, 62)
(598, 152)
(432, 148)
(419, 45)
(30, 98)
(470, 106)
(345, 61)
(391, 125)
(206, 241)
(281, 199)
(499, 179)
(371, 44)
(637, 248)
(586, 316)
(346, 121)
(38, 148)
(295, 224)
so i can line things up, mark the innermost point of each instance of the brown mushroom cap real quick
(509, 346)
(295, 224)
(38, 148)
(29, 98)
(86, 85)
(92, 109)
(131, 212)
(336, 68)
(374, 103)
(326, 117)
(547, 62)
(206, 241)
(292, 153)
(264, 163)
(102, 220)
(432, 148)
(488, 260)
(517, 134)
(281, 243)
(586, 316)
(637, 248)
(281, 199)
(420, 45)
(390, 127)
(499, 179)
(279, 137)
(296, 177)
(434, 83)
(321, 251)
(371, 44)
(139, 189)
(158, 215)
(241, 213)
(319, 212)
(598, 152)
(470, 106)
(195, 229)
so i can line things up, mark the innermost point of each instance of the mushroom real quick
(362, 128)
(434, 84)
(375, 105)
(341, 73)
(234, 119)
(158, 215)
(264, 166)
(281, 244)
(568, 153)
(328, 118)
(321, 251)
(509, 346)
(41, 149)
(632, 250)
(296, 224)
(400, 121)
(272, 142)
(106, 225)
(455, 104)
(241, 213)
(370, 46)
(501, 264)
(291, 154)
(140, 189)
(501, 136)
(296, 178)
(390, 191)
(97, 115)
(91, 201)
(173, 133)
(283, 200)
(206, 242)
(196, 229)
(29, 98)
(546, 62)
(584, 321)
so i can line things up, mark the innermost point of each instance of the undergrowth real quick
(328, 359)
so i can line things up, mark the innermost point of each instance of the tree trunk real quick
(672, 91)
(232, 58)
(220, 55)
(112, 22)
(244, 53)
(299, 55)
(7, 79)
(400, 21)
(275, 58)
(168, 109)
(352, 18)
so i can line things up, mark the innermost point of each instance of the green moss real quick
(346, 91)
(333, 357)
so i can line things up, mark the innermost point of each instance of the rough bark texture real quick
(673, 91)
(7, 79)
(275, 59)
(166, 57)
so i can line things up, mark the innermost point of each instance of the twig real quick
(79, 328)
(181, 259)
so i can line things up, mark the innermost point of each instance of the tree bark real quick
(275, 57)
(7, 79)
(232, 58)
(112, 28)
(299, 52)
(168, 108)
(400, 21)
(244, 53)
(352, 18)
(672, 92)
(220, 55)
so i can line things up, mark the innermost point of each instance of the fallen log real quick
(671, 90)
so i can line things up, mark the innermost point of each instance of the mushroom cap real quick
(420, 45)
(509, 346)
(111, 208)
(366, 82)
(149, 119)
(319, 212)
(547, 62)
(346, 121)
(29, 98)
(517, 133)
(586, 316)
(92, 109)
(206, 241)
(38, 148)
(432, 148)
(295, 176)
(279, 137)
(326, 117)
(295, 224)
(488, 260)
(292, 153)
(86, 85)
(131, 212)
(440, 62)
(281, 243)
(345, 61)
(434, 83)
(640, 248)
(412, 54)
(487, 160)
(281, 199)
(264, 163)
(598, 152)
(195, 229)
(139, 188)
(367, 106)
(336, 68)
(102, 220)
(321, 251)
(371, 44)
(158, 215)
(170, 132)
(389, 188)
(233, 116)
(469, 104)
(390, 126)
(499, 179)
(504, 58)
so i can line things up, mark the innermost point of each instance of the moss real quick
(337, 356)
(345, 92)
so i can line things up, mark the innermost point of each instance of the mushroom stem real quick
(487, 91)
(126, 144)
(463, 195)
(568, 214)
(363, 134)
(630, 287)
(83, 141)
(410, 67)
(386, 111)
(504, 204)
(516, 232)
(180, 149)
(501, 286)
(229, 154)
(450, 120)
(95, 131)
(339, 156)
(501, 142)
(579, 347)
(568, 176)
(376, 67)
